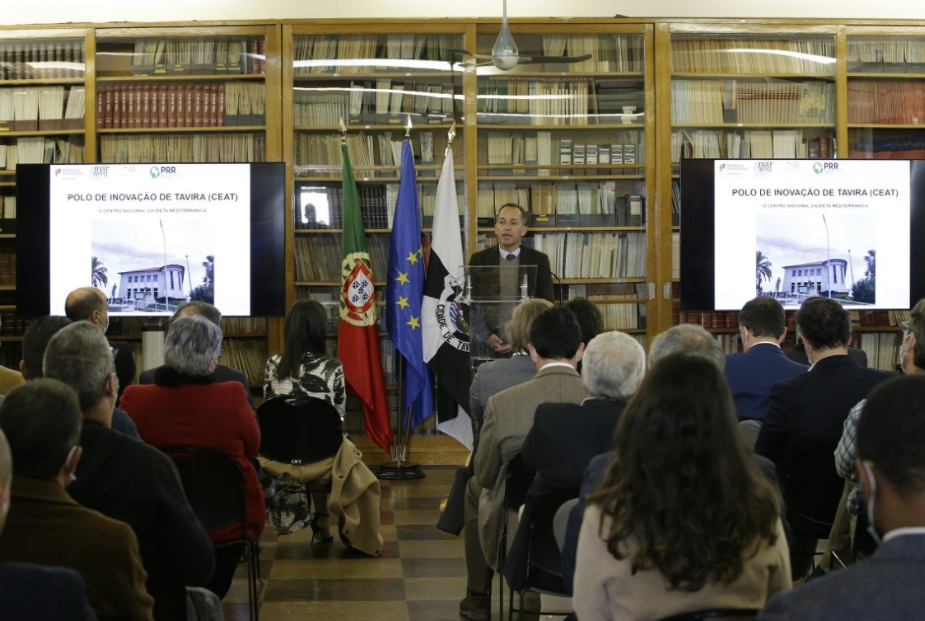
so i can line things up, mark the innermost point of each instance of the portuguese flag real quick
(358, 333)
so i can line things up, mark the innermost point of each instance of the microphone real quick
(559, 281)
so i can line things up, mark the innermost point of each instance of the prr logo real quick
(166, 171)
(817, 168)
(155, 172)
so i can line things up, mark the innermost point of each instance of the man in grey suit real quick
(891, 467)
(555, 347)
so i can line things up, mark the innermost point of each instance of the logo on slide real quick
(817, 168)
(155, 172)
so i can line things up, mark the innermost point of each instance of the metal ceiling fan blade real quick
(462, 52)
(536, 60)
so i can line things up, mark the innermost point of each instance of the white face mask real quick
(67, 461)
(871, 498)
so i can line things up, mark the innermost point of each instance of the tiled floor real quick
(421, 575)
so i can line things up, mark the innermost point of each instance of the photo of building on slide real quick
(799, 256)
(151, 265)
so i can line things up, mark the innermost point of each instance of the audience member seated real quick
(891, 468)
(304, 371)
(686, 339)
(804, 423)
(35, 341)
(798, 353)
(221, 372)
(555, 347)
(566, 436)
(683, 519)
(186, 407)
(127, 480)
(762, 363)
(9, 379)
(32, 591)
(491, 378)
(590, 319)
(90, 304)
(42, 421)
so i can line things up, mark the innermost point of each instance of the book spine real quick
(197, 106)
(107, 120)
(101, 108)
(220, 105)
(172, 109)
(188, 106)
(147, 92)
(213, 105)
(162, 97)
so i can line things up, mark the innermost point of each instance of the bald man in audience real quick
(32, 591)
(90, 304)
(42, 421)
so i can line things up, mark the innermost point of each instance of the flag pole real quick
(400, 468)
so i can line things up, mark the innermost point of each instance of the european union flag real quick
(405, 292)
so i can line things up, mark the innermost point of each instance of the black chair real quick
(309, 432)
(214, 485)
(729, 614)
(299, 434)
(536, 562)
(517, 482)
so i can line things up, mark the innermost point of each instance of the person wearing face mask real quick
(45, 525)
(911, 360)
(891, 468)
(90, 304)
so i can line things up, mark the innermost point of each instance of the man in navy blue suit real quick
(891, 468)
(31, 591)
(763, 363)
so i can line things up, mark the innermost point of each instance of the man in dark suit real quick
(90, 304)
(891, 467)
(752, 373)
(31, 591)
(564, 438)
(804, 423)
(128, 480)
(45, 526)
(221, 373)
(510, 227)
(555, 347)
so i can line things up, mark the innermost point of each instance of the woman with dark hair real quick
(683, 519)
(303, 370)
(589, 318)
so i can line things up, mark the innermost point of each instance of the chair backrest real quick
(729, 614)
(214, 485)
(518, 481)
(299, 434)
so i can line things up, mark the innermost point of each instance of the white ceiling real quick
(101, 11)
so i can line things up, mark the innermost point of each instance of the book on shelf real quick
(882, 350)
(41, 150)
(887, 144)
(318, 258)
(886, 54)
(751, 143)
(311, 51)
(138, 106)
(198, 56)
(770, 55)
(746, 101)
(41, 60)
(192, 147)
(589, 255)
(886, 102)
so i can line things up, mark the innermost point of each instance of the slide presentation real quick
(153, 234)
(836, 228)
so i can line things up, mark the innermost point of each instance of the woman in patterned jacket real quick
(303, 370)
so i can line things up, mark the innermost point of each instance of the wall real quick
(100, 11)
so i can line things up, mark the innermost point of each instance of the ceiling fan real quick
(504, 54)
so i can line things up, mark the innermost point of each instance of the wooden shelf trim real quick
(42, 82)
(562, 166)
(883, 126)
(211, 77)
(374, 75)
(585, 127)
(183, 130)
(561, 177)
(44, 132)
(361, 126)
(754, 125)
(757, 76)
(886, 76)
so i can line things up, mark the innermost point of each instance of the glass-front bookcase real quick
(173, 95)
(745, 94)
(574, 143)
(383, 86)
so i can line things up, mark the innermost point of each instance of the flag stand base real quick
(398, 470)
